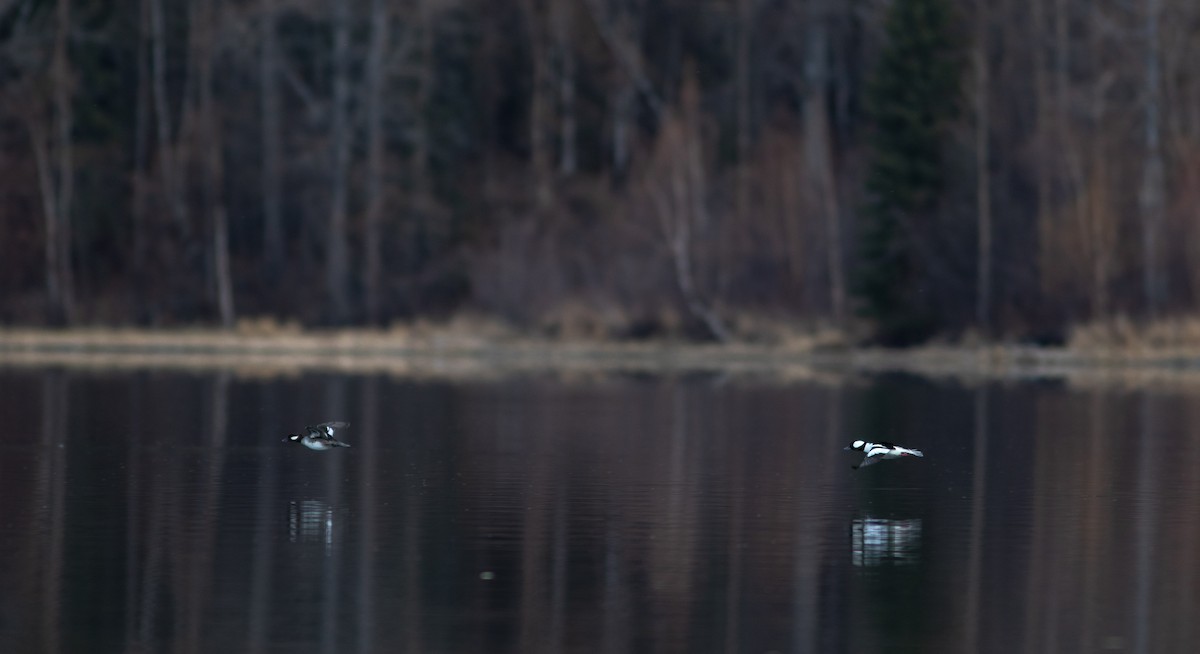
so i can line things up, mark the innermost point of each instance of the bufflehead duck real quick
(320, 437)
(877, 452)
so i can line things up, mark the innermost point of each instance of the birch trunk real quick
(167, 163)
(818, 154)
(54, 159)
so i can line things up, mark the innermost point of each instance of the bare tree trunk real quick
(221, 267)
(745, 29)
(1150, 199)
(337, 246)
(64, 121)
(539, 145)
(1100, 221)
(1041, 98)
(695, 207)
(51, 216)
(167, 163)
(376, 84)
(272, 150)
(1097, 213)
(1062, 57)
(818, 153)
(621, 108)
(141, 141)
(983, 179)
(420, 202)
(563, 32)
(679, 191)
(214, 182)
(56, 179)
(620, 34)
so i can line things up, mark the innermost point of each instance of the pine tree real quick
(911, 99)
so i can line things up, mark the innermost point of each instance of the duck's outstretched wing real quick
(327, 428)
(870, 459)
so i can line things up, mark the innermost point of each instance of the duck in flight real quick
(319, 437)
(876, 452)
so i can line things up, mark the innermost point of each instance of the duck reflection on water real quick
(311, 521)
(882, 541)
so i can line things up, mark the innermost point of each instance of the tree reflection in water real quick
(159, 512)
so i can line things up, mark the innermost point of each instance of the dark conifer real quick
(912, 97)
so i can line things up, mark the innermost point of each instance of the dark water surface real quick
(159, 512)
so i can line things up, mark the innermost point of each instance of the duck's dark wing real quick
(890, 446)
(868, 460)
(327, 428)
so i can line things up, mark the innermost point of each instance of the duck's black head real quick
(293, 438)
(856, 445)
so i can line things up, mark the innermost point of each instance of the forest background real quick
(612, 168)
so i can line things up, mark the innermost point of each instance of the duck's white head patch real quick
(858, 445)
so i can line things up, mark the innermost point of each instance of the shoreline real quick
(457, 353)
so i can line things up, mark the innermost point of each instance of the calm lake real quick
(159, 511)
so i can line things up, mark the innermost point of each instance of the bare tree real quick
(168, 167)
(1043, 120)
(214, 170)
(375, 86)
(56, 178)
(1152, 192)
(420, 202)
(539, 143)
(563, 15)
(818, 150)
(744, 24)
(620, 33)
(678, 189)
(272, 150)
(337, 246)
(141, 143)
(983, 180)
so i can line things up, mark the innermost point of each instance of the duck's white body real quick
(876, 452)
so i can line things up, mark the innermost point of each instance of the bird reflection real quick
(311, 521)
(880, 541)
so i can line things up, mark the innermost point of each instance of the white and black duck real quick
(320, 437)
(876, 452)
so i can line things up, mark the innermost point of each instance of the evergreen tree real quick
(911, 99)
